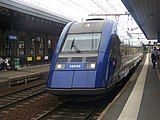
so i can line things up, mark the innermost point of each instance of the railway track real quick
(55, 110)
(46, 106)
(16, 97)
(81, 110)
(73, 111)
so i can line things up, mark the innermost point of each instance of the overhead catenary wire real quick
(111, 6)
(99, 6)
(82, 9)
(81, 6)
(66, 4)
(71, 6)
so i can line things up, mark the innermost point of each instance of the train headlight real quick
(60, 66)
(91, 65)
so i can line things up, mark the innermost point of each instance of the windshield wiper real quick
(75, 47)
(72, 44)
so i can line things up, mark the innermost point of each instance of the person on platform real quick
(1, 63)
(6, 64)
(154, 56)
(158, 59)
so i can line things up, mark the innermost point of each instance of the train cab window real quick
(82, 42)
(115, 54)
(115, 47)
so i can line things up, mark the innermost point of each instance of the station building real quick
(28, 34)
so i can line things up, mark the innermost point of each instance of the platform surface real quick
(141, 98)
(26, 70)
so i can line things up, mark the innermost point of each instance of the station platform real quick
(7, 76)
(139, 99)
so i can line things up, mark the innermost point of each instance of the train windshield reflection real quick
(82, 42)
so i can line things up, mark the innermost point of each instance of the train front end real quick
(76, 64)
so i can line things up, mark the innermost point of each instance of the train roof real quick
(89, 26)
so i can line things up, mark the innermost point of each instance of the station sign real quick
(29, 59)
(12, 37)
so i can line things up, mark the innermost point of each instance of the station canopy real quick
(20, 16)
(147, 15)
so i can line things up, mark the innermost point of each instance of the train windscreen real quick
(81, 42)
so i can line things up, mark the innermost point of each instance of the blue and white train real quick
(91, 56)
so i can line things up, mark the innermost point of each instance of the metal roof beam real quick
(34, 12)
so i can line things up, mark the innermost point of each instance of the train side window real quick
(125, 47)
